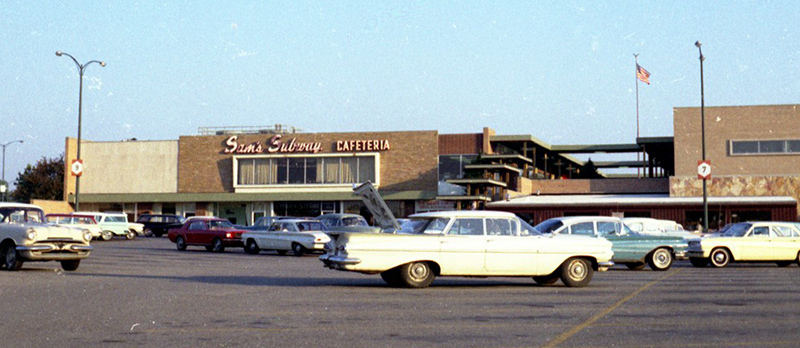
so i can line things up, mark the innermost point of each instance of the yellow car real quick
(777, 242)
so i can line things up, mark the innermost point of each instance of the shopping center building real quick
(242, 173)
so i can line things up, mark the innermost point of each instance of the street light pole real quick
(703, 135)
(81, 69)
(4, 166)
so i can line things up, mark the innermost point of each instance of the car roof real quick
(465, 213)
(338, 215)
(18, 205)
(296, 220)
(575, 219)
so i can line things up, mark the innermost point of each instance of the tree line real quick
(44, 180)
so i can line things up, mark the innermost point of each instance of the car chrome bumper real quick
(337, 262)
(681, 255)
(56, 252)
(696, 254)
(604, 266)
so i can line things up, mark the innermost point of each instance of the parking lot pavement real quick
(144, 293)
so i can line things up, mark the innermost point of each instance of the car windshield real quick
(116, 218)
(425, 225)
(219, 224)
(548, 226)
(737, 230)
(525, 229)
(354, 221)
(21, 214)
(309, 226)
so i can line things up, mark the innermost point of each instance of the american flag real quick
(642, 75)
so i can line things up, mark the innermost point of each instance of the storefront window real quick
(349, 169)
(261, 171)
(366, 169)
(306, 170)
(297, 170)
(282, 170)
(331, 170)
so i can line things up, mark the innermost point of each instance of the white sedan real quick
(470, 243)
(299, 236)
(777, 242)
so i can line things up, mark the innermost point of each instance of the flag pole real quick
(636, 59)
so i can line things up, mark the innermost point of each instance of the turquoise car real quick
(632, 249)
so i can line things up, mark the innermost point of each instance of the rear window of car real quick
(548, 226)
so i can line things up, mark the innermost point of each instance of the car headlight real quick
(31, 234)
(87, 235)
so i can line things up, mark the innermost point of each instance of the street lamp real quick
(4, 155)
(703, 135)
(81, 69)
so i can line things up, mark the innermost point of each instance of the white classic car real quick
(116, 224)
(777, 242)
(25, 236)
(86, 222)
(469, 243)
(298, 235)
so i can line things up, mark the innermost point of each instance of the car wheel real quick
(798, 258)
(298, 250)
(130, 235)
(720, 257)
(216, 245)
(10, 257)
(698, 261)
(576, 272)
(281, 252)
(392, 277)
(416, 275)
(107, 235)
(180, 243)
(148, 232)
(546, 280)
(660, 259)
(70, 265)
(251, 247)
(635, 266)
(783, 263)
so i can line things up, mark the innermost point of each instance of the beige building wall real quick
(125, 167)
(763, 122)
(736, 175)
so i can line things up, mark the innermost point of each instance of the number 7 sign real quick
(704, 169)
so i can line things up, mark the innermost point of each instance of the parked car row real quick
(102, 225)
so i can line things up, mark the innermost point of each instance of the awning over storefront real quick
(247, 197)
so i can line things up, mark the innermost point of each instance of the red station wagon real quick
(214, 233)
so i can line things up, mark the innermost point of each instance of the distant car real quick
(471, 244)
(214, 233)
(263, 223)
(777, 242)
(158, 224)
(336, 224)
(632, 249)
(113, 224)
(77, 220)
(299, 236)
(26, 236)
(656, 227)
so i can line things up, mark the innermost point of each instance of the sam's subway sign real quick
(277, 144)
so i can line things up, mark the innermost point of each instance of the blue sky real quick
(562, 71)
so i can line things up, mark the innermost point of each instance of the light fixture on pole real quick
(4, 155)
(703, 136)
(81, 69)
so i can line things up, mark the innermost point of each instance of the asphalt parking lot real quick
(144, 293)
